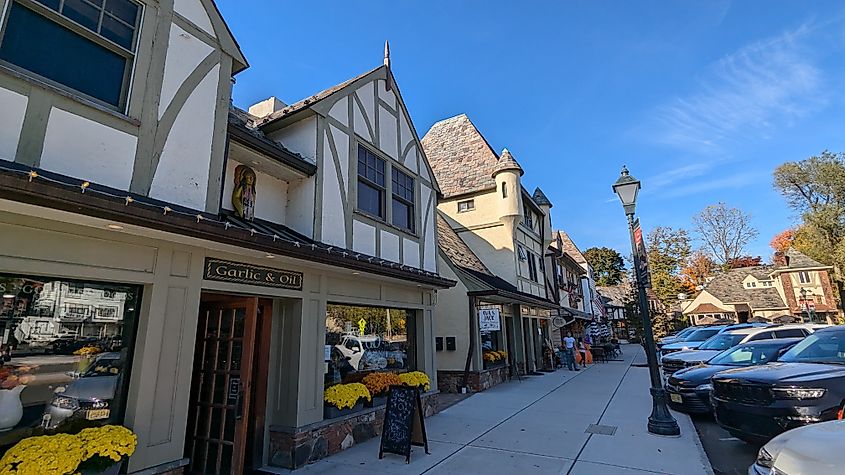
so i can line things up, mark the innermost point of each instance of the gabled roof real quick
(570, 248)
(312, 100)
(224, 35)
(615, 295)
(707, 308)
(473, 273)
(728, 288)
(460, 157)
(797, 260)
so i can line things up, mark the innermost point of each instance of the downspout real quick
(471, 348)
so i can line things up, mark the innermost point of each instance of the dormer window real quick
(804, 277)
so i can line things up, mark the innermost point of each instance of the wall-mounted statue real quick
(243, 196)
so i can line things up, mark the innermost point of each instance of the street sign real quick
(642, 256)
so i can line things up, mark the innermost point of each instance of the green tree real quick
(607, 264)
(815, 187)
(668, 251)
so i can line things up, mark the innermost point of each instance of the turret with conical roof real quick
(506, 174)
(546, 205)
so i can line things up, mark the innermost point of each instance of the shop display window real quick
(66, 349)
(364, 340)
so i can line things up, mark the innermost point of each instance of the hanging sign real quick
(227, 271)
(488, 320)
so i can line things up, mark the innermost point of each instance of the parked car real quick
(696, 338)
(689, 389)
(805, 386)
(676, 337)
(89, 395)
(815, 449)
(369, 352)
(728, 339)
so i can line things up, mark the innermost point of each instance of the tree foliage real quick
(745, 261)
(725, 232)
(815, 187)
(698, 268)
(608, 265)
(668, 251)
(782, 241)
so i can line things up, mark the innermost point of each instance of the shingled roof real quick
(311, 100)
(456, 249)
(798, 260)
(540, 198)
(460, 156)
(507, 162)
(728, 288)
(570, 248)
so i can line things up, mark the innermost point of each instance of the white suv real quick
(716, 344)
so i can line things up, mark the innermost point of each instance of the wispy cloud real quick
(724, 182)
(761, 86)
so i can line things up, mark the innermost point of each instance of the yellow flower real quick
(344, 396)
(416, 379)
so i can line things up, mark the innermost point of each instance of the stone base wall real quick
(452, 381)
(311, 443)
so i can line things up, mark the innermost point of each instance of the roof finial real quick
(387, 54)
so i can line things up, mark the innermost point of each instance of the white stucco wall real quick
(389, 246)
(300, 213)
(194, 12)
(340, 110)
(299, 137)
(363, 238)
(271, 194)
(451, 319)
(387, 95)
(184, 53)
(182, 173)
(387, 133)
(81, 148)
(333, 223)
(410, 253)
(360, 124)
(13, 106)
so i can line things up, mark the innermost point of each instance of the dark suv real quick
(806, 385)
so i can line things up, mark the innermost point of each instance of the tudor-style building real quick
(207, 258)
(795, 288)
(492, 241)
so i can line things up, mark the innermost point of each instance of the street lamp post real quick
(660, 421)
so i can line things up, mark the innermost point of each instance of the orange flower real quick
(379, 383)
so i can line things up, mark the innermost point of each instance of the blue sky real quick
(701, 100)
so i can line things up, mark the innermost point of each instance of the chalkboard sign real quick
(401, 428)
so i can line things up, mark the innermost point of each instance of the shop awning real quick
(485, 285)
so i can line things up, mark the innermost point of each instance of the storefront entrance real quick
(228, 362)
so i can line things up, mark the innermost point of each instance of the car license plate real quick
(676, 398)
(94, 414)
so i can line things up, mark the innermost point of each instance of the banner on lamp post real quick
(642, 256)
(488, 320)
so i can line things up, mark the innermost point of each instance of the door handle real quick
(239, 405)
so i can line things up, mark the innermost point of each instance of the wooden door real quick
(221, 386)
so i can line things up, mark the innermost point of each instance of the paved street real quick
(728, 455)
(540, 426)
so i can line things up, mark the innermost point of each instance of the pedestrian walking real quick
(569, 351)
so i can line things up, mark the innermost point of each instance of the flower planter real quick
(377, 401)
(113, 469)
(331, 412)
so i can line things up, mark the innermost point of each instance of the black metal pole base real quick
(661, 422)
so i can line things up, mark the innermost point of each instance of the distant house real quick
(796, 288)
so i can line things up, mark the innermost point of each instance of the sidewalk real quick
(539, 426)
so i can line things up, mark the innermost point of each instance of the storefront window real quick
(492, 344)
(362, 340)
(66, 352)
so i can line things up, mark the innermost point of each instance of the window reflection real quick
(65, 354)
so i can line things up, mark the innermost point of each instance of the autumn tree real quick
(608, 265)
(745, 261)
(815, 187)
(725, 232)
(782, 241)
(698, 268)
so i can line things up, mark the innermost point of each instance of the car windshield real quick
(683, 333)
(746, 355)
(822, 347)
(106, 365)
(701, 335)
(722, 341)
